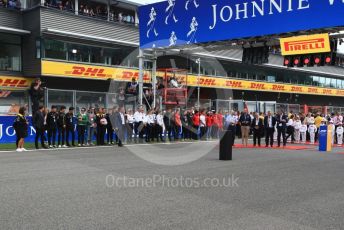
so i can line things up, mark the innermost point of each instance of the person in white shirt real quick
(138, 125)
(333, 128)
(297, 125)
(149, 121)
(290, 129)
(303, 132)
(339, 133)
(160, 126)
(130, 125)
(312, 129)
(203, 125)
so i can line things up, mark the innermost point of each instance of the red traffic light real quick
(317, 60)
(306, 61)
(296, 61)
(286, 62)
(328, 60)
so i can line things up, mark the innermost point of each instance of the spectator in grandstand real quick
(52, 126)
(38, 124)
(101, 126)
(61, 127)
(282, 120)
(70, 126)
(68, 6)
(269, 125)
(245, 122)
(258, 129)
(21, 126)
(132, 87)
(81, 126)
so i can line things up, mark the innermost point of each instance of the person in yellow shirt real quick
(317, 121)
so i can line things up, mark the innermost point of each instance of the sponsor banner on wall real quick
(14, 83)
(62, 69)
(50, 68)
(177, 23)
(318, 43)
(8, 134)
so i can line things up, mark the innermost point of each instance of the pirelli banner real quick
(10, 83)
(318, 43)
(59, 69)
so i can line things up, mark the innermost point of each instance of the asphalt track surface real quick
(271, 189)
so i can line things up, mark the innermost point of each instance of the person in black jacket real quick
(36, 92)
(168, 124)
(52, 126)
(109, 127)
(61, 127)
(38, 123)
(282, 120)
(70, 126)
(269, 125)
(21, 125)
(257, 128)
(101, 126)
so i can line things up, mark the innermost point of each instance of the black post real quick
(226, 145)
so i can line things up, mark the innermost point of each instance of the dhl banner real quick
(50, 68)
(60, 69)
(318, 43)
(14, 83)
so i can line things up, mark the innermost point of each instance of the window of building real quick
(10, 55)
(55, 50)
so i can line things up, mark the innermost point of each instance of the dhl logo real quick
(207, 82)
(312, 90)
(14, 83)
(296, 89)
(234, 84)
(128, 75)
(327, 91)
(257, 86)
(304, 45)
(278, 87)
(340, 93)
(88, 72)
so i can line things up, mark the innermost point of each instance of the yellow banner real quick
(318, 43)
(61, 69)
(14, 83)
(50, 68)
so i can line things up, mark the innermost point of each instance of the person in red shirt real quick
(219, 123)
(215, 128)
(178, 124)
(196, 121)
(209, 120)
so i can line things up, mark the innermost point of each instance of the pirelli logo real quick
(319, 43)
